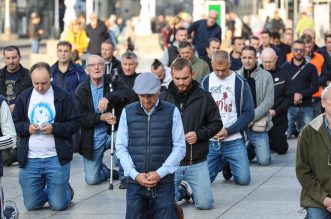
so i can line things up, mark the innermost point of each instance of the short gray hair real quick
(325, 91)
(94, 56)
(130, 55)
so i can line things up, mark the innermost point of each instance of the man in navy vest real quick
(150, 145)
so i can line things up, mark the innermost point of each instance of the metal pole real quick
(254, 7)
(295, 16)
(7, 17)
(56, 19)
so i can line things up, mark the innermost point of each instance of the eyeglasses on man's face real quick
(299, 50)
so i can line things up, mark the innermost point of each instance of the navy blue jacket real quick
(244, 104)
(69, 80)
(66, 123)
(150, 137)
(305, 83)
(202, 34)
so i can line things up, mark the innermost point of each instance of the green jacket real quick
(312, 169)
(200, 69)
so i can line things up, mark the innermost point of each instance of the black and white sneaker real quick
(10, 210)
(184, 187)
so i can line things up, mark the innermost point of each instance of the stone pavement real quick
(273, 193)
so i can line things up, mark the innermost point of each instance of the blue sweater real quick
(69, 80)
(244, 104)
(202, 34)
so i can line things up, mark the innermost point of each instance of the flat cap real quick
(147, 83)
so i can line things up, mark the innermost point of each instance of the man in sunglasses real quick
(313, 163)
(304, 85)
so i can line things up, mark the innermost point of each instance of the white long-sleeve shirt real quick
(8, 138)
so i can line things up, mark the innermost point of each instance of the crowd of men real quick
(199, 112)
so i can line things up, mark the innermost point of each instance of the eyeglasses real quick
(299, 50)
(94, 65)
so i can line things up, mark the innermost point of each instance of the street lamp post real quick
(7, 17)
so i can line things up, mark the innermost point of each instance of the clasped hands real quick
(47, 129)
(149, 179)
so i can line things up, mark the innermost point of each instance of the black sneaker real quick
(124, 183)
(115, 174)
(72, 192)
(250, 152)
(227, 171)
(185, 192)
(10, 211)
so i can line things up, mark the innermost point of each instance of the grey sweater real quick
(264, 93)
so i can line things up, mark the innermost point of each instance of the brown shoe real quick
(179, 210)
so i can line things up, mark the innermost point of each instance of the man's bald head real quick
(212, 18)
(269, 59)
(268, 52)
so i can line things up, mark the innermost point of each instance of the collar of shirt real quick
(153, 108)
(326, 125)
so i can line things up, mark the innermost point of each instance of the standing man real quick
(96, 118)
(193, 102)
(238, 44)
(35, 31)
(213, 46)
(150, 145)
(233, 97)
(304, 84)
(313, 163)
(66, 74)
(14, 79)
(113, 65)
(45, 118)
(262, 88)
(97, 32)
(203, 30)
(171, 53)
(282, 101)
(200, 67)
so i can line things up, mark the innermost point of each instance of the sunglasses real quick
(299, 50)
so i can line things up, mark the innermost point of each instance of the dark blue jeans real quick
(156, 203)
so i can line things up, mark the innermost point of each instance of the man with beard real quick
(201, 121)
(14, 79)
(171, 53)
(304, 84)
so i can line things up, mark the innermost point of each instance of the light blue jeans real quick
(95, 170)
(196, 176)
(317, 213)
(260, 141)
(45, 180)
(35, 44)
(235, 153)
(298, 117)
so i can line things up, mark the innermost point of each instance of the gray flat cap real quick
(147, 83)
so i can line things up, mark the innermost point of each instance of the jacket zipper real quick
(148, 143)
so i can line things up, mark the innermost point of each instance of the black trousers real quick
(277, 135)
